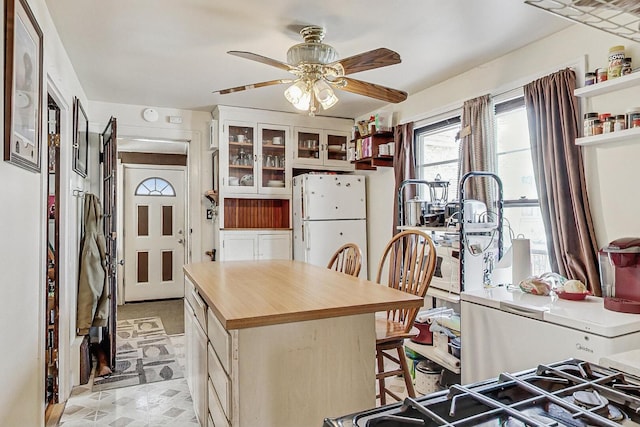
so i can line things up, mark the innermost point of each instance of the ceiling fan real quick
(318, 71)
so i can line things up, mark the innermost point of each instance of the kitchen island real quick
(289, 343)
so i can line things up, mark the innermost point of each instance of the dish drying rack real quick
(618, 17)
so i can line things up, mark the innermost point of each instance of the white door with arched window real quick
(154, 233)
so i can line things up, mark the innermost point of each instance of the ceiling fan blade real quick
(376, 58)
(371, 90)
(262, 59)
(252, 86)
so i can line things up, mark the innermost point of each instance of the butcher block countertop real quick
(247, 294)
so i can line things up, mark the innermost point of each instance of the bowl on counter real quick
(234, 181)
(573, 296)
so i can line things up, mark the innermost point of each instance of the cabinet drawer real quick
(216, 414)
(199, 307)
(220, 340)
(220, 381)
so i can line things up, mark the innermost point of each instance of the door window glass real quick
(155, 187)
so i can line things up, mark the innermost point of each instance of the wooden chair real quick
(347, 259)
(409, 261)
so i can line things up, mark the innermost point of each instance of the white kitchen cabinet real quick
(274, 152)
(274, 245)
(196, 350)
(239, 157)
(261, 132)
(199, 362)
(320, 147)
(189, 318)
(255, 244)
(255, 158)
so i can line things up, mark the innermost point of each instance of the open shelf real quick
(256, 213)
(619, 83)
(609, 138)
(446, 360)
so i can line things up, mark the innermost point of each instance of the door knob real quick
(180, 241)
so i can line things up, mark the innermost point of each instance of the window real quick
(515, 168)
(155, 187)
(438, 152)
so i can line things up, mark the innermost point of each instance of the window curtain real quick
(554, 120)
(477, 149)
(403, 167)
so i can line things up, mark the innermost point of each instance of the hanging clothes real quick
(93, 292)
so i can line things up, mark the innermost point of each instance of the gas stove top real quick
(571, 393)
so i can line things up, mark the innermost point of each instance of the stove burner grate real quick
(571, 393)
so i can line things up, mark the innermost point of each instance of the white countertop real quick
(627, 362)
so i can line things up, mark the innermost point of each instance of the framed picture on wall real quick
(80, 138)
(23, 55)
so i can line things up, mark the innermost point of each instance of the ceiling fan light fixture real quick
(299, 95)
(324, 94)
(311, 53)
(295, 91)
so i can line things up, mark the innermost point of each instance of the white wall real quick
(23, 255)
(195, 128)
(611, 184)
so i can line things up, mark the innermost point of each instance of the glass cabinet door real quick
(242, 158)
(336, 148)
(308, 146)
(273, 144)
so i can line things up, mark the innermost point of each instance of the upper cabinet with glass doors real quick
(274, 174)
(320, 147)
(255, 158)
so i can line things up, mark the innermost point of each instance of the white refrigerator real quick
(509, 331)
(328, 211)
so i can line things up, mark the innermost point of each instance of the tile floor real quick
(160, 403)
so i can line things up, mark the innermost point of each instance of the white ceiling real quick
(172, 53)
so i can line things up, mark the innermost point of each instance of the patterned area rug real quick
(145, 354)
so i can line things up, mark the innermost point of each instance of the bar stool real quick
(347, 259)
(409, 261)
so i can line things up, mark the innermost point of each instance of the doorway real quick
(52, 285)
(154, 232)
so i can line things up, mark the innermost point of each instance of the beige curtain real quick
(403, 166)
(554, 121)
(477, 149)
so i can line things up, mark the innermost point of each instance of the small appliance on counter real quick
(620, 275)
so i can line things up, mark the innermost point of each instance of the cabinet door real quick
(239, 246)
(335, 148)
(307, 146)
(239, 157)
(200, 376)
(275, 170)
(189, 318)
(274, 246)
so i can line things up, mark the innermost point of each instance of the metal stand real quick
(463, 232)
